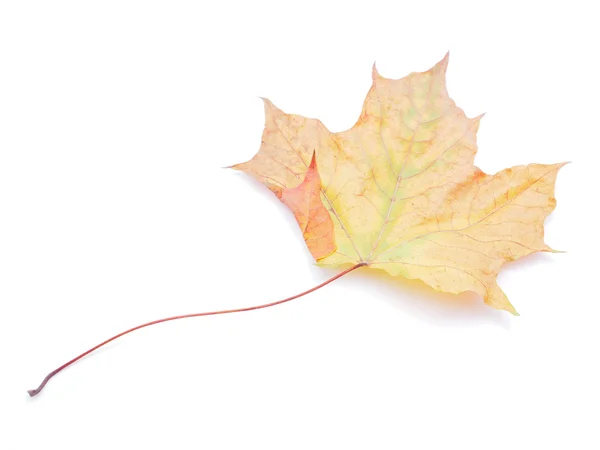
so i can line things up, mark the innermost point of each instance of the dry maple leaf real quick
(399, 191)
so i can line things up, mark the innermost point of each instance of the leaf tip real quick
(476, 121)
(313, 161)
(442, 66)
(266, 101)
(508, 307)
(268, 104)
(374, 71)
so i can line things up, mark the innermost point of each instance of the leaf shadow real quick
(420, 301)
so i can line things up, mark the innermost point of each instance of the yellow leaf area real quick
(399, 190)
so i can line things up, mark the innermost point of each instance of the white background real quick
(115, 120)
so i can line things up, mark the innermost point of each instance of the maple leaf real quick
(399, 191)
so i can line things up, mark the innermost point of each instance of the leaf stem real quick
(34, 392)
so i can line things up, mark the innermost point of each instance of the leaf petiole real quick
(34, 392)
